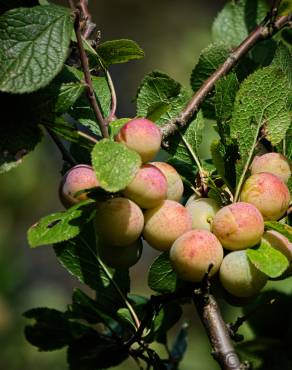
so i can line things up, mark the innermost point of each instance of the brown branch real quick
(87, 76)
(261, 32)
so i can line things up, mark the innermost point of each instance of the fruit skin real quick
(165, 223)
(202, 211)
(148, 188)
(141, 135)
(175, 186)
(279, 242)
(274, 163)
(268, 193)
(120, 256)
(79, 177)
(239, 276)
(238, 226)
(192, 254)
(119, 221)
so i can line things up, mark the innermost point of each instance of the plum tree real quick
(238, 226)
(79, 177)
(165, 223)
(175, 186)
(239, 276)
(119, 221)
(148, 188)
(193, 252)
(268, 193)
(120, 256)
(141, 135)
(274, 163)
(202, 211)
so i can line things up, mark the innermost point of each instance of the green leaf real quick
(35, 44)
(159, 90)
(180, 344)
(210, 59)
(79, 257)
(157, 110)
(268, 259)
(119, 51)
(61, 226)
(116, 125)
(284, 229)
(260, 101)
(126, 317)
(115, 165)
(52, 330)
(161, 276)
(165, 320)
(236, 20)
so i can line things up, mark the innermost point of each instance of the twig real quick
(85, 66)
(261, 32)
(111, 86)
(65, 154)
(89, 25)
(86, 136)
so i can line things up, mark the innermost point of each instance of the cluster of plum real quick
(197, 235)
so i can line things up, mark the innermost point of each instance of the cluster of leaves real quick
(249, 107)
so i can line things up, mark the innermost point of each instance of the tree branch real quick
(262, 32)
(87, 76)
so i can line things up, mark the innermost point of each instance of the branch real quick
(261, 32)
(87, 76)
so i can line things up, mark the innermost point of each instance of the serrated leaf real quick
(283, 229)
(158, 89)
(261, 100)
(52, 330)
(79, 257)
(61, 226)
(119, 51)
(210, 59)
(236, 20)
(161, 276)
(35, 43)
(115, 165)
(116, 125)
(268, 259)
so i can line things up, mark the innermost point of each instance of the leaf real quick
(61, 226)
(126, 317)
(52, 330)
(165, 320)
(116, 125)
(119, 51)
(161, 276)
(283, 229)
(115, 165)
(159, 90)
(79, 257)
(261, 100)
(210, 59)
(236, 20)
(35, 43)
(180, 344)
(268, 259)
(157, 110)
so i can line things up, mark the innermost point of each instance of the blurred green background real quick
(172, 33)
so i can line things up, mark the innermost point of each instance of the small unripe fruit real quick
(192, 254)
(165, 223)
(202, 211)
(268, 193)
(279, 242)
(148, 188)
(119, 221)
(238, 226)
(79, 177)
(141, 135)
(274, 163)
(175, 186)
(239, 276)
(120, 256)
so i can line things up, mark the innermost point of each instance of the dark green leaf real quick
(35, 44)
(51, 330)
(165, 320)
(61, 226)
(284, 229)
(180, 344)
(115, 165)
(119, 51)
(126, 317)
(268, 259)
(161, 277)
